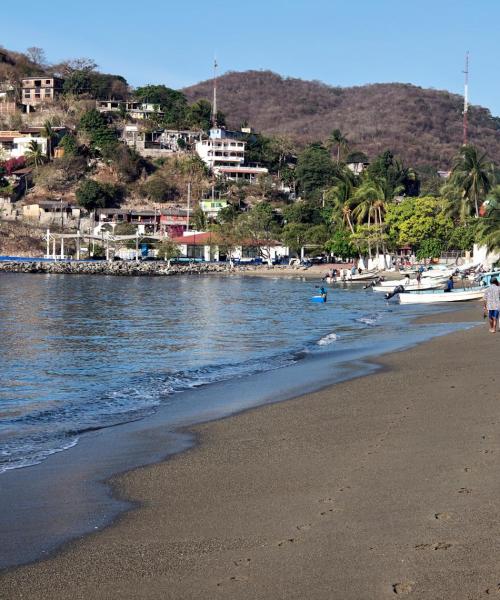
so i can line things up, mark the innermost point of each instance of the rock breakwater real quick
(124, 268)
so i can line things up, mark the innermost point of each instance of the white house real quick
(224, 154)
(13, 144)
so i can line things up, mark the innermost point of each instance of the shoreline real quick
(199, 430)
(161, 269)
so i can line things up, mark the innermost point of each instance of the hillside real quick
(423, 126)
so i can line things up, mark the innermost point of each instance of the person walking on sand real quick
(492, 304)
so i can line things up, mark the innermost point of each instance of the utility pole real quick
(189, 205)
(466, 96)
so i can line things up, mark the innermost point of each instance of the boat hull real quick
(441, 296)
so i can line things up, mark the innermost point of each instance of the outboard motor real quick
(399, 289)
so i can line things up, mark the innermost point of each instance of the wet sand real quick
(378, 487)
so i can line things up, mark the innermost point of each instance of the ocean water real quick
(82, 353)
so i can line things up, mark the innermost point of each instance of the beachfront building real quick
(207, 246)
(224, 154)
(169, 221)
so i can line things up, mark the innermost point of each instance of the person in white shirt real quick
(492, 304)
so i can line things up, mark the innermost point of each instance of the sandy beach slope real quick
(385, 486)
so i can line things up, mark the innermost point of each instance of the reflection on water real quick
(83, 352)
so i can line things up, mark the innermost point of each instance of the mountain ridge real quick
(422, 125)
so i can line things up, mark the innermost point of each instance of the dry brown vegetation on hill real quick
(423, 126)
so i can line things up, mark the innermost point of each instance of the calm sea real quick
(80, 353)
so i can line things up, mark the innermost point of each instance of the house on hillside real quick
(58, 212)
(136, 110)
(8, 104)
(224, 154)
(161, 142)
(41, 89)
(16, 143)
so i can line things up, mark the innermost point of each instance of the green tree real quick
(92, 194)
(199, 219)
(430, 248)
(158, 189)
(167, 250)
(259, 227)
(315, 170)
(472, 175)
(417, 219)
(96, 126)
(340, 244)
(171, 102)
(69, 144)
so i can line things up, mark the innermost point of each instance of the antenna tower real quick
(466, 96)
(214, 104)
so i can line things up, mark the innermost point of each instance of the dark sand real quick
(379, 487)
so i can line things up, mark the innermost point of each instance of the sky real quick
(339, 42)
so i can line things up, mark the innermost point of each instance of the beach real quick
(380, 486)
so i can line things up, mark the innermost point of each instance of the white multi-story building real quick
(224, 154)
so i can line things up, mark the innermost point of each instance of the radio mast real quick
(214, 103)
(466, 96)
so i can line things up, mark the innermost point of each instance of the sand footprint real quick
(464, 491)
(304, 527)
(403, 587)
(495, 590)
(233, 578)
(242, 562)
(286, 542)
(436, 546)
(444, 516)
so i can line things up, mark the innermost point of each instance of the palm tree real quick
(488, 231)
(472, 174)
(337, 139)
(35, 155)
(48, 133)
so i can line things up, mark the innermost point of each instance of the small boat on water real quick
(364, 276)
(432, 296)
(413, 286)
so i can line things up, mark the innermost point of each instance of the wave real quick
(327, 339)
(370, 319)
(57, 428)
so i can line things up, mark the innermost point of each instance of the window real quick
(38, 83)
(47, 93)
(37, 94)
(27, 93)
(47, 82)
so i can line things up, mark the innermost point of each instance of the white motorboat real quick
(429, 283)
(365, 276)
(432, 296)
(413, 286)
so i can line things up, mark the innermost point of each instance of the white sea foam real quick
(327, 339)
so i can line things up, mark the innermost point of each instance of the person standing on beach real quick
(492, 304)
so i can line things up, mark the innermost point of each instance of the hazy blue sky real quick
(340, 42)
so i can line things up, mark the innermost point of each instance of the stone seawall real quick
(125, 268)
